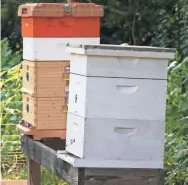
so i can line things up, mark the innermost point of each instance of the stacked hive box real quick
(46, 28)
(116, 110)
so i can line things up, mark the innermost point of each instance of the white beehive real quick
(117, 101)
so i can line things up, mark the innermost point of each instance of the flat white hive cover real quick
(119, 50)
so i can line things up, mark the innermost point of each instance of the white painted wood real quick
(94, 163)
(118, 50)
(121, 67)
(50, 49)
(93, 97)
(115, 139)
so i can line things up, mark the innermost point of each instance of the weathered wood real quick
(121, 176)
(54, 143)
(33, 172)
(47, 157)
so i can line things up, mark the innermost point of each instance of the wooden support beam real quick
(122, 176)
(33, 172)
(47, 157)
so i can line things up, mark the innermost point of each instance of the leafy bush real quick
(46, 177)
(8, 57)
(11, 105)
(176, 146)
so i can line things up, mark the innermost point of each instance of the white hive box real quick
(120, 98)
(51, 49)
(116, 112)
(120, 61)
(115, 142)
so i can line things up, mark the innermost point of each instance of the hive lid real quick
(119, 50)
(60, 10)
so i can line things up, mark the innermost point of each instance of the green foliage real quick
(46, 177)
(8, 57)
(176, 145)
(172, 28)
(11, 106)
(10, 99)
(49, 179)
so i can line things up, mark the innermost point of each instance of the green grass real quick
(46, 177)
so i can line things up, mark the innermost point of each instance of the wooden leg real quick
(33, 172)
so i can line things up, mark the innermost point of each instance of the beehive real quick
(46, 28)
(117, 102)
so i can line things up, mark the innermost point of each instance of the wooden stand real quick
(44, 153)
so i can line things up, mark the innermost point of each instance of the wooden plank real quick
(33, 172)
(161, 176)
(121, 176)
(47, 157)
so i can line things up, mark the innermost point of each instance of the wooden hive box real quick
(60, 20)
(45, 93)
(46, 79)
(44, 114)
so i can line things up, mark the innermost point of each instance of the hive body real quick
(51, 49)
(116, 110)
(45, 113)
(46, 29)
(118, 97)
(105, 140)
(46, 79)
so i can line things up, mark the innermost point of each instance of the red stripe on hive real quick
(60, 20)
(61, 27)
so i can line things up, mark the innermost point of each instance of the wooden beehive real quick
(44, 113)
(46, 79)
(46, 29)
